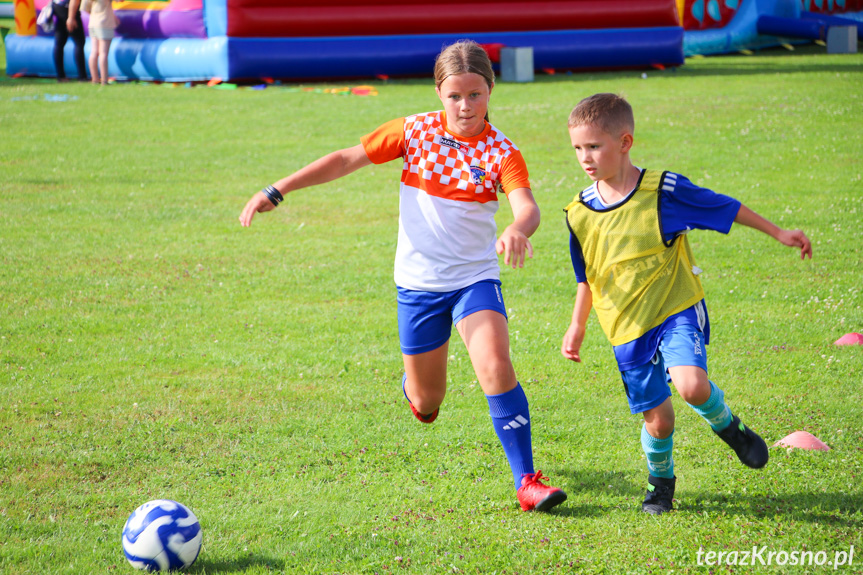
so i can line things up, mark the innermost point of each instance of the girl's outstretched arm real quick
(331, 167)
(513, 242)
(791, 238)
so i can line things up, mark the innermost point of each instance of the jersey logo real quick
(450, 143)
(477, 175)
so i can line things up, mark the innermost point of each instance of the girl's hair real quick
(463, 57)
(608, 112)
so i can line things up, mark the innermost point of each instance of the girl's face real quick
(465, 100)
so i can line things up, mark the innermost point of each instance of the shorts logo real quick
(697, 349)
(477, 175)
(450, 143)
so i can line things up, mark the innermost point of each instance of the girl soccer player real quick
(446, 269)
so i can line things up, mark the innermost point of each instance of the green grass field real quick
(150, 347)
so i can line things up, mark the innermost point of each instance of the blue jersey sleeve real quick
(577, 258)
(684, 206)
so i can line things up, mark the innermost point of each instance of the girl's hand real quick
(513, 244)
(71, 24)
(572, 340)
(258, 203)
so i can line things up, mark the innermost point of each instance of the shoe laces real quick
(534, 479)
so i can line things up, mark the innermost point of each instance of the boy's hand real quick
(796, 239)
(572, 341)
(258, 203)
(514, 244)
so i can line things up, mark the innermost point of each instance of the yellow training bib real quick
(636, 278)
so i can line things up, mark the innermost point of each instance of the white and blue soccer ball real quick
(162, 535)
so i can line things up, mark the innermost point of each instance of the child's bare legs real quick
(486, 336)
(693, 386)
(691, 383)
(93, 61)
(425, 383)
(104, 48)
(99, 60)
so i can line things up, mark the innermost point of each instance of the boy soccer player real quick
(634, 266)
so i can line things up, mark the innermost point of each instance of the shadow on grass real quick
(216, 565)
(839, 509)
(593, 492)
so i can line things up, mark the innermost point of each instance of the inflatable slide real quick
(726, 26)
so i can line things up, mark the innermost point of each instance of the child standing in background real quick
(103, 23)
(634, 266)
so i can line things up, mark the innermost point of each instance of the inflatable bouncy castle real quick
(251, 40)
(247, 40)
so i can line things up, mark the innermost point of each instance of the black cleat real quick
(660, 492)
(748, 445)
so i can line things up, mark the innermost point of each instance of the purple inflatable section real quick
(161, 24)
(154, 24)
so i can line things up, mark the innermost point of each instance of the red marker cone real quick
(852, 338)
(802, 440)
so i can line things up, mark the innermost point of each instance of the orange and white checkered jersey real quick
(447, 199)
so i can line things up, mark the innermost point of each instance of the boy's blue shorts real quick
(647, 385)
(426, 318)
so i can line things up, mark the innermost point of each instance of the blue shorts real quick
(647, 385)
(426, 318)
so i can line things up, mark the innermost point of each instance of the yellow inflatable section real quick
(25, 18)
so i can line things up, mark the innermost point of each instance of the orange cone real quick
(802, 440)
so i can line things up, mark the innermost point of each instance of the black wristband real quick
(273, 195)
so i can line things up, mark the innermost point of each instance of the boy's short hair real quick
(609, 112)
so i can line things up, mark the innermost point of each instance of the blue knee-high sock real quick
(714, 410)
(660, 462)
(511, 419)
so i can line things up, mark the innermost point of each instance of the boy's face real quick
(600, 154)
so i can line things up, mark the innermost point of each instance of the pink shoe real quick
(533, 495)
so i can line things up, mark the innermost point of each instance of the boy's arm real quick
(791, 238)
(574, 336)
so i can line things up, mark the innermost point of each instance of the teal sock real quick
(660, 463)
(714, 410)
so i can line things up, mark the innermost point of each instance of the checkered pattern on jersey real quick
(444, 166)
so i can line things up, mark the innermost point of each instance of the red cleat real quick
(533, 495)
(423, 417)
